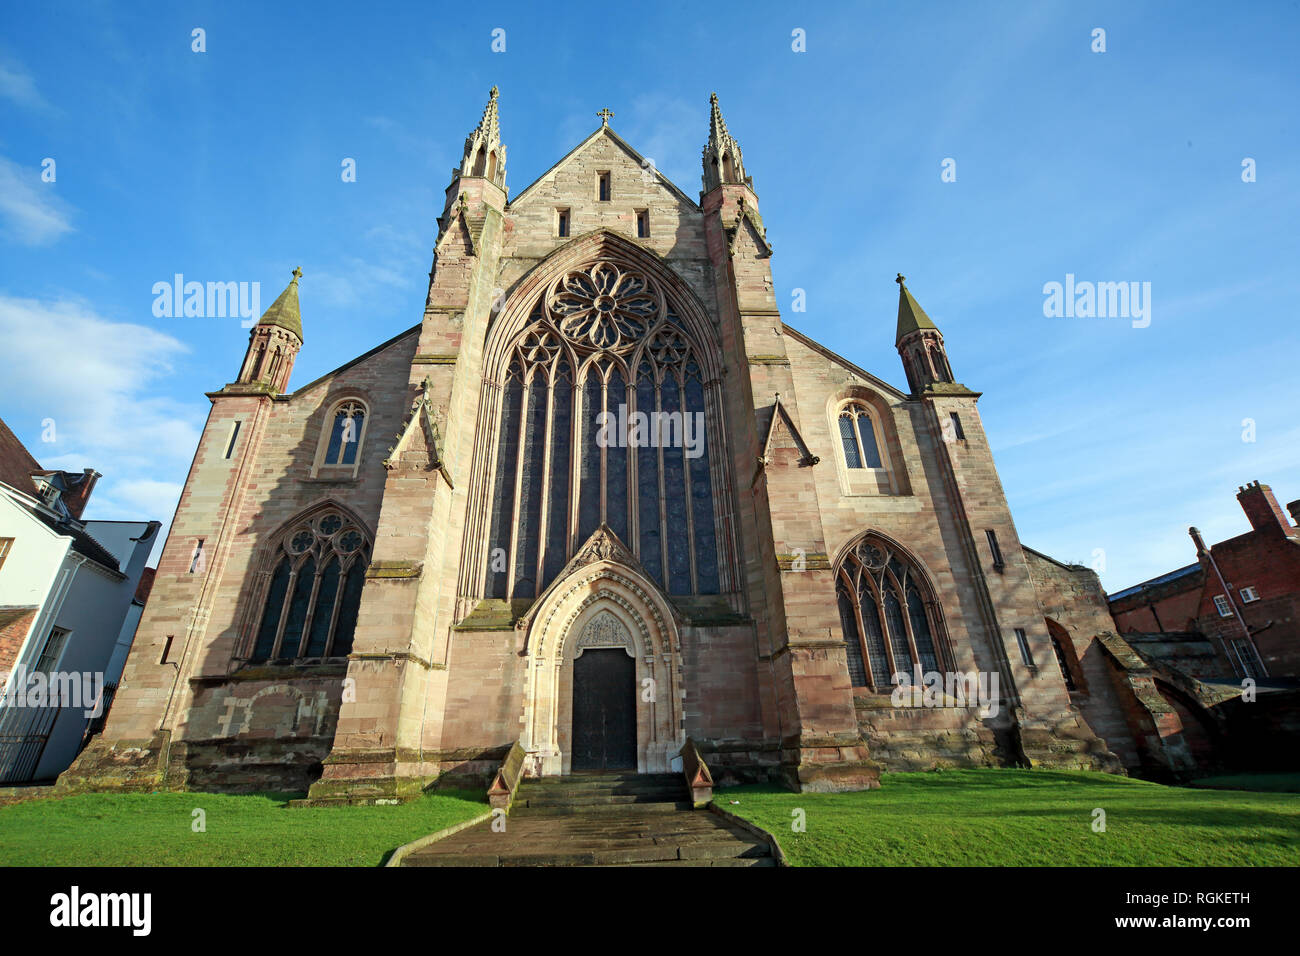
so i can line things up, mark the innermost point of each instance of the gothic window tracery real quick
(889, 621)
(603, 414)
(341, 446)
(310, 604)
(858, 437)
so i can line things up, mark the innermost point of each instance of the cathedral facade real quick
(601, 500)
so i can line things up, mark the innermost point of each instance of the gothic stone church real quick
(600, 500)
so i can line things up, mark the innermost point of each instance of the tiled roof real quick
(82, 542)
(145, 586)
(9, 615)
(1162, 579)
(911, 317)
(16, 462)
(76, 487)
(284, 311)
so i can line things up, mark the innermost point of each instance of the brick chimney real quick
(1262, 509)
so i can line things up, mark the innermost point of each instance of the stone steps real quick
(519, 809)
(601, 820)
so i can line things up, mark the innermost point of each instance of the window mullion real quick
(905, 607)
(877, 588)
(284, 610)
(577, 409)
(633, 463)
(311, 610)
(686, 483)
(856, 600)
(663, 478)
(603, 451)
(338, 601)
(524, 383)
(543, 531)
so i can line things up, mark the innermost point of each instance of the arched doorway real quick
(604, 680)
(604, 697)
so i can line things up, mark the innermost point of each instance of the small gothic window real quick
(995, 552)
(888, 621)
(1062, 663)
(314, 592)
(562, 223)
(234, 436)
(346, 431)
(602, 186)
(1022, 641)
(642, 224)
(858, 437)
(958, 432)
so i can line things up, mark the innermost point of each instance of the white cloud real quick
(394, 257)
(670, 131)
(351, 285)
(17, 84)
(32, 213)
(90, 375)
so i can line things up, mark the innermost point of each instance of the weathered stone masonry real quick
(729, 603)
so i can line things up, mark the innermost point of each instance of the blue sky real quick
(1117, 166)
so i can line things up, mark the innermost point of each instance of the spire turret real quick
(284, 311)
(484, 155)
(722, 159)
(919, 343)
(274, 343)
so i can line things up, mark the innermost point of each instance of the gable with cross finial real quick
(605, 116)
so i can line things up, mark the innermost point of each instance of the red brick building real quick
(1243, 594)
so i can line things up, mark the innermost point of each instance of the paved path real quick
(601, 820)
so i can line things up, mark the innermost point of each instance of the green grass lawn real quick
(154, 829)
(1025, 818)
(958, 817)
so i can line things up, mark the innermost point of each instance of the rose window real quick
(605, 307)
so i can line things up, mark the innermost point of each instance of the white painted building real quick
(67, 610)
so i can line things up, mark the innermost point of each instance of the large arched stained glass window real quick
(311, 603)
(604, 419)
(889, 623)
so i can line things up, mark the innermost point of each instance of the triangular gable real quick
(473, 227)
(328, 376)
(748, 220)
(603, 545)
(840, 360)
(782, 417)
(419, 440)
(622, 144)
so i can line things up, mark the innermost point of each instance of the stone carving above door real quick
(604, 630)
